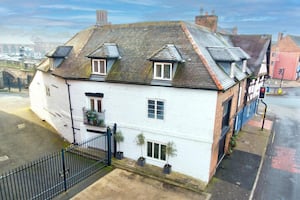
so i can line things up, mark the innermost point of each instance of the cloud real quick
(67, 7)
(257, 19)
(140, 2)
(5, 11)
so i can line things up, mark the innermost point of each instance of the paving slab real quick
(122, 184)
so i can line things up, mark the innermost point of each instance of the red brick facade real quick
(285, 55)
(233, 94)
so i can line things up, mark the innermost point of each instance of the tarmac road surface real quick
(280, 175)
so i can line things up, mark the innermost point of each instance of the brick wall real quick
(222, 97)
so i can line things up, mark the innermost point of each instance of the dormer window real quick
(103, 58)
(165, 62)
(58, 55)
(99, 66)
(163, 71)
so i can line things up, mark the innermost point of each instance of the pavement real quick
(237, 175)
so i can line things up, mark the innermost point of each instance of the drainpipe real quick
(73, 129)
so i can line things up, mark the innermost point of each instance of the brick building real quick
(285, 57)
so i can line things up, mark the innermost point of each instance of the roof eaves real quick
(201, 56)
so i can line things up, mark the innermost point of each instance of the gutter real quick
(73, 129)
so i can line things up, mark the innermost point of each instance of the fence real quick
(53, 174)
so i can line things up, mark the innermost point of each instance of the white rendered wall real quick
(189, 116)
(53, 108)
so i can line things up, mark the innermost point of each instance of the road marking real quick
(273, 137)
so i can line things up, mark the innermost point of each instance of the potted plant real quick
(170, 152)
(119, 138)
(140, 141)
(91, 116)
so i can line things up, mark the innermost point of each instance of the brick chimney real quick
(101, 17)
(209, 21)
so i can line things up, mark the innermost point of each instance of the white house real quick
(171, 81)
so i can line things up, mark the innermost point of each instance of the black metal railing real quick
(53, 174)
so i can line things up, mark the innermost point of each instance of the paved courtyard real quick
(23, 136)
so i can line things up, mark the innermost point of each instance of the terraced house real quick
(172, 81)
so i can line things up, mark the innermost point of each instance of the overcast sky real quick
(58, 20)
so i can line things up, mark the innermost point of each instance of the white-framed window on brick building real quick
(163, 71)
(156, 150)
(156, 109)
(99, 66)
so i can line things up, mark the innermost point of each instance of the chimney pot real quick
(209, 21)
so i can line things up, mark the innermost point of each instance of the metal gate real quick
(53, 174)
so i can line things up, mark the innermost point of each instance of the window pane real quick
(163, 152)
(92, 105)
(156, 150)
(158, 71)
(149, 149)
(102, 66)
(151, 108)
(167, 71)
(95, 66)
(99, 106)
(160, 110)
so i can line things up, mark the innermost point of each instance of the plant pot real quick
(167, 169)
(119, 155)
(141, 161)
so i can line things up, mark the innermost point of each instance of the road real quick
(280, 175)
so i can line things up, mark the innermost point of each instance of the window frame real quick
(226, 116)
(160, 154)
(162, 71)
(156, 113)
(99, 66)
(93, 104)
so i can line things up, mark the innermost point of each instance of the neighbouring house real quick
(258, 47)
(172, 81)
(285, 58)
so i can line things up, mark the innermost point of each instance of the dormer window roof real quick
(106, 51)
(223, 54)
(60, 52)
(168, 53)
(239, 52)
(58, 55)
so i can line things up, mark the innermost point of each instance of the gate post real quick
(108, 135)
(64, 168)
(115, 143)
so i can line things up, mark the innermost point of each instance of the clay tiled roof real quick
(137, 44)
(296, 39)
